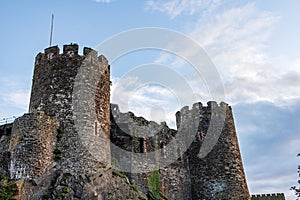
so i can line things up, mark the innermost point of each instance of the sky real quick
(253, 45)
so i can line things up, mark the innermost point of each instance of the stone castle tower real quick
(71, 124)
(69, 112)
(217, 175)
(220, 173)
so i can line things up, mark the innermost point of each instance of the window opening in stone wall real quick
(8, 131)
(178, 154)
(96, 128)
(163, 149)
(141, 145)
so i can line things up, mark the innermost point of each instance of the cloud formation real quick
(103, 1)
(150, 100)
(263, 89)
(14, 98)
(174, 8)
(268, 137)
(237, 40)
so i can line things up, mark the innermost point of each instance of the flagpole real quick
(51, 34)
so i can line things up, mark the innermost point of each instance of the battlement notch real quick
(70, 50)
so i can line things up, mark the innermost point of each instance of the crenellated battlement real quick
(72, 126)
(71, 51)
(74, 89)
(212, 109)
(210, 106)
(277, 196)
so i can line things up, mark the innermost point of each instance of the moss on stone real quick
(154, 183)
(59, 134)
(8, 188)
(142, 198)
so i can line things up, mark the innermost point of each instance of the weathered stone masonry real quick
(219, 175)
(277, 196)
(31, 145)
(72, 128)
(75, 90)
(5, 134)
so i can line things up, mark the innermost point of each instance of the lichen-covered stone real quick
(31, 145)
(75, 90)
(219, 174)
(64, 147)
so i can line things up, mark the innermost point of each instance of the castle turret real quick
(73, 91)
(213, 157)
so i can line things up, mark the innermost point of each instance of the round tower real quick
(75, 90)
(219, 174)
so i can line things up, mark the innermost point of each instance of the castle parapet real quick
(51, 52)
(212, 104)
(210, 129)
(198, 109)
(88, 51)
(197, 105)
(54, 50)
(277, 196)
(223, 105)
(70, 50)
(74, 90)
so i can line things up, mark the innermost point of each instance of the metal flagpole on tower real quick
(52, 21)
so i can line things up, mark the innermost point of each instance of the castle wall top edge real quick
(69, 49)
(199, 105)
(185, 109)
(278, 196)
(116, 111)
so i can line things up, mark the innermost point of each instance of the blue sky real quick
(253, 44)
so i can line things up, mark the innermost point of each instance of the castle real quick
(73, 133)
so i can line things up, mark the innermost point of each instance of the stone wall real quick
(278, 196)
(31, 145)
(206, 131)
(75, 89)
(70, 114)
(136, 145)
(5, 134)
(219, 174)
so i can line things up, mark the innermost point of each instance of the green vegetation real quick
(65, 177)
(65, 190)
(134, 143)
(54, 183)
(154, 183)
(57, 151)
(46, 196)
(120, 174)
(142, 198)
(57, 154)
(8, 188)
(60, 196)
(135, 188)
(115, 163)
(59, 134)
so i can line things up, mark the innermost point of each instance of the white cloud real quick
(152, 101)
(14, 98)
(237, 41)
(268, 140)
(174, 8)
(103, 1)
(18, 98)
